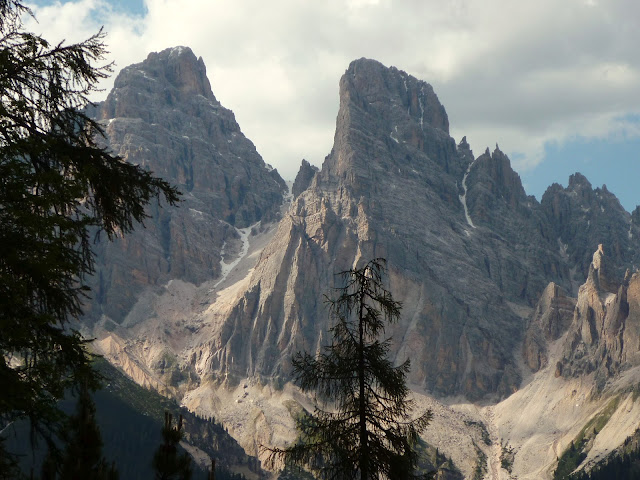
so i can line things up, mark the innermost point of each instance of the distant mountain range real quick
(506, 307)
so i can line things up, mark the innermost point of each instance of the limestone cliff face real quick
(584, 217)
(469, 254)
(467, 250)
(602, 325)
(604, 336)
(206, 297)
(303, 178)
(550, 321)
(162, 114)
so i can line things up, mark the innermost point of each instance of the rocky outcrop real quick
(469, 253)
(395, 185)
(604, 334)
(601, 324)
(222, 298)
(526, 257)
(303, 178)
(583, 217)
(551, 319)
(162, 115)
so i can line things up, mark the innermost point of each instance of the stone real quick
(603, 336)
(303, 178)
(583, 217)
(391, 188)
(162, 115)
(552, 317)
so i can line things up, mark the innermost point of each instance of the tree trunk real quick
(364, 443)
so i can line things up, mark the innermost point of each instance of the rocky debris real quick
(303, 178)
(162, 114)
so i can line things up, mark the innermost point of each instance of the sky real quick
(556, 84)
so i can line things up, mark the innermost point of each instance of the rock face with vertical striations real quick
(551, 319)
(503, 296)
(303, 178)
(162, 115)
(468, 252)
(584, 217)
(604, 336)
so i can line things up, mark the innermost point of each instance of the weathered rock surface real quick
(303, 178)
(162, 114)
(550, 321)
(604, 336)
(583, 218)
(486, 274)
(469, 252)
(392, 187)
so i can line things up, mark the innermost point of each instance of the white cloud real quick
(517, 73)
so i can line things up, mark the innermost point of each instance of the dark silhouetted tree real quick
(364, 430)
(58, 188)
(168, 462)
(82, 458)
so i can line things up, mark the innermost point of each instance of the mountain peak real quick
(378, 102)
(177, 66)
(373, 84)
(577, 180)
(183, 70)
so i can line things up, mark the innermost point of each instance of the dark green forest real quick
(130, 419)
(622, 464)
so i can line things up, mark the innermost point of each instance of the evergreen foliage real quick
(364, 430)
(579, 448)
(57, 189)
(624, 464)
(82, 457)
(168, 463)
(128, 416)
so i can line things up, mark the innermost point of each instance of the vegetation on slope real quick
(623, 464)
(580, 446)
(130, 419)
(140, 431)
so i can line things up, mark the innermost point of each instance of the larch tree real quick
(363, 428)
(58, 188)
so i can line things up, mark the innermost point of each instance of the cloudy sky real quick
(555, 83)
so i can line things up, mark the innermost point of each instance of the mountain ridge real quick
(470, 255)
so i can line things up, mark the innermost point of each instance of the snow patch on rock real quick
(463, 197)
(226, 268)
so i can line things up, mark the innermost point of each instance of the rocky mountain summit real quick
(469, 252)
(581, 214)
(210, 302)
(162, 114)
(303, 178)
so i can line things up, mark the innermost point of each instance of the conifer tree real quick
(364, 429)
(82, 457)
(167, 462)
(58, 188)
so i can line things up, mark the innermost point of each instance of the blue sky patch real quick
(614, 163)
